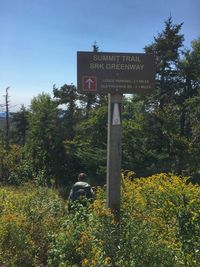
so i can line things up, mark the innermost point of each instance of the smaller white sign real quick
(116, 120)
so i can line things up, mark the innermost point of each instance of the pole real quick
(114, 152)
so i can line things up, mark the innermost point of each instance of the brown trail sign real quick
(115, 74)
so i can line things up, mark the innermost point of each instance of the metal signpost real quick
(115, 74)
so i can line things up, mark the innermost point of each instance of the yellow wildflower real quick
(85, 262)
(107, 260)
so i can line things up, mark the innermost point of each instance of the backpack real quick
(80, 193)
(81, 190)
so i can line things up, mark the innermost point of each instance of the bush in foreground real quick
(159, 226)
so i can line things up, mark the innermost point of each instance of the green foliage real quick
(44, 143)
(89, 146)
(16, 169)
(20, 126)
(163, 219)
(28, 215)
(67, 96)
(161, 132)
(159, 226)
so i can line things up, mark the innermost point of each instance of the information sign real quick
(115, 72)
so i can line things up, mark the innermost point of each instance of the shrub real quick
(16, 169)
(27, 216)
(160, 222)
(159, 226)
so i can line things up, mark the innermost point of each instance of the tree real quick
(20, 125)
(189, 101)
(89, 145)
(67, 96)
(157, 128)
(166, 48)
(5, 138)
(44, 143)
(6, 132)
(162, 113)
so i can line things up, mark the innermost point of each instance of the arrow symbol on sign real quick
(89, 82)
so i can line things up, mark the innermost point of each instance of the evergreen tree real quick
(166, 48)
(44, 144)
(89, 145)
(67, 97)
(20, 126)
(156, 118)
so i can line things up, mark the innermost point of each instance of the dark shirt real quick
(81, 189)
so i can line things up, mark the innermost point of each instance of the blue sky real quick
(39, 38)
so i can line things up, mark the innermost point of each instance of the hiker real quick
(81, 191)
